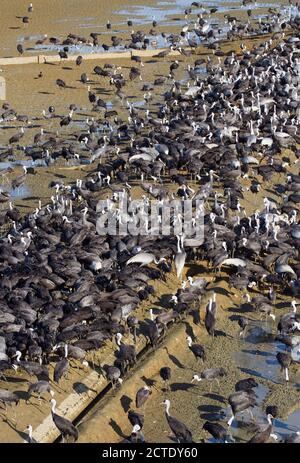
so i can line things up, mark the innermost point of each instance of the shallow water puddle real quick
(22, 192)
(290, 425)
(257, 356)
(240, 429)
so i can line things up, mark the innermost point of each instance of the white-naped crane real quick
(179, 429)
(210, 374)
(65, 427)
(180, 257)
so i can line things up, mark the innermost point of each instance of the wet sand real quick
(58, 19)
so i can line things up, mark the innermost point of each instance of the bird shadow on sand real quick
(209, 408)
(196, 316)
(213, 396)
(257, 352)
(12, 379)
(250, 372)
(181, 386)
(148, 381)
(81, 388)
(211, 416)
(114, 425)
(220, 333)
(125, 402)
(243, 308)
(22, 434)
(222, 291)
(189, 331)
(175, 360)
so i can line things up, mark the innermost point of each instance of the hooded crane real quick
(196, 349)
(127, 353)
(179, 429)
(210, 316)
(136, 435)
(165, 374)
(136, 418)
(245, 384)
(65, 427)
(62, 367)
(241, 401)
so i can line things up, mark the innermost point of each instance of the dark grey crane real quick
(136, 418)
(142, 396)
(210, 374)
(165, 374)
(40, 387)
(241, 401)
(62, 367)
(216, 430)
(179, 429)
(65, 427)
(196, 349)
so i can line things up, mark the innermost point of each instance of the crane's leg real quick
(251, 414)
(287, 375)
(229, 422)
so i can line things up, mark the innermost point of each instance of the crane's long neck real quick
(167, 409)
(178, 244)
(53, 406)
(151, 315)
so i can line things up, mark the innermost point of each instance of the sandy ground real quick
(58, 19)
(29, 95)
(195, 403)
